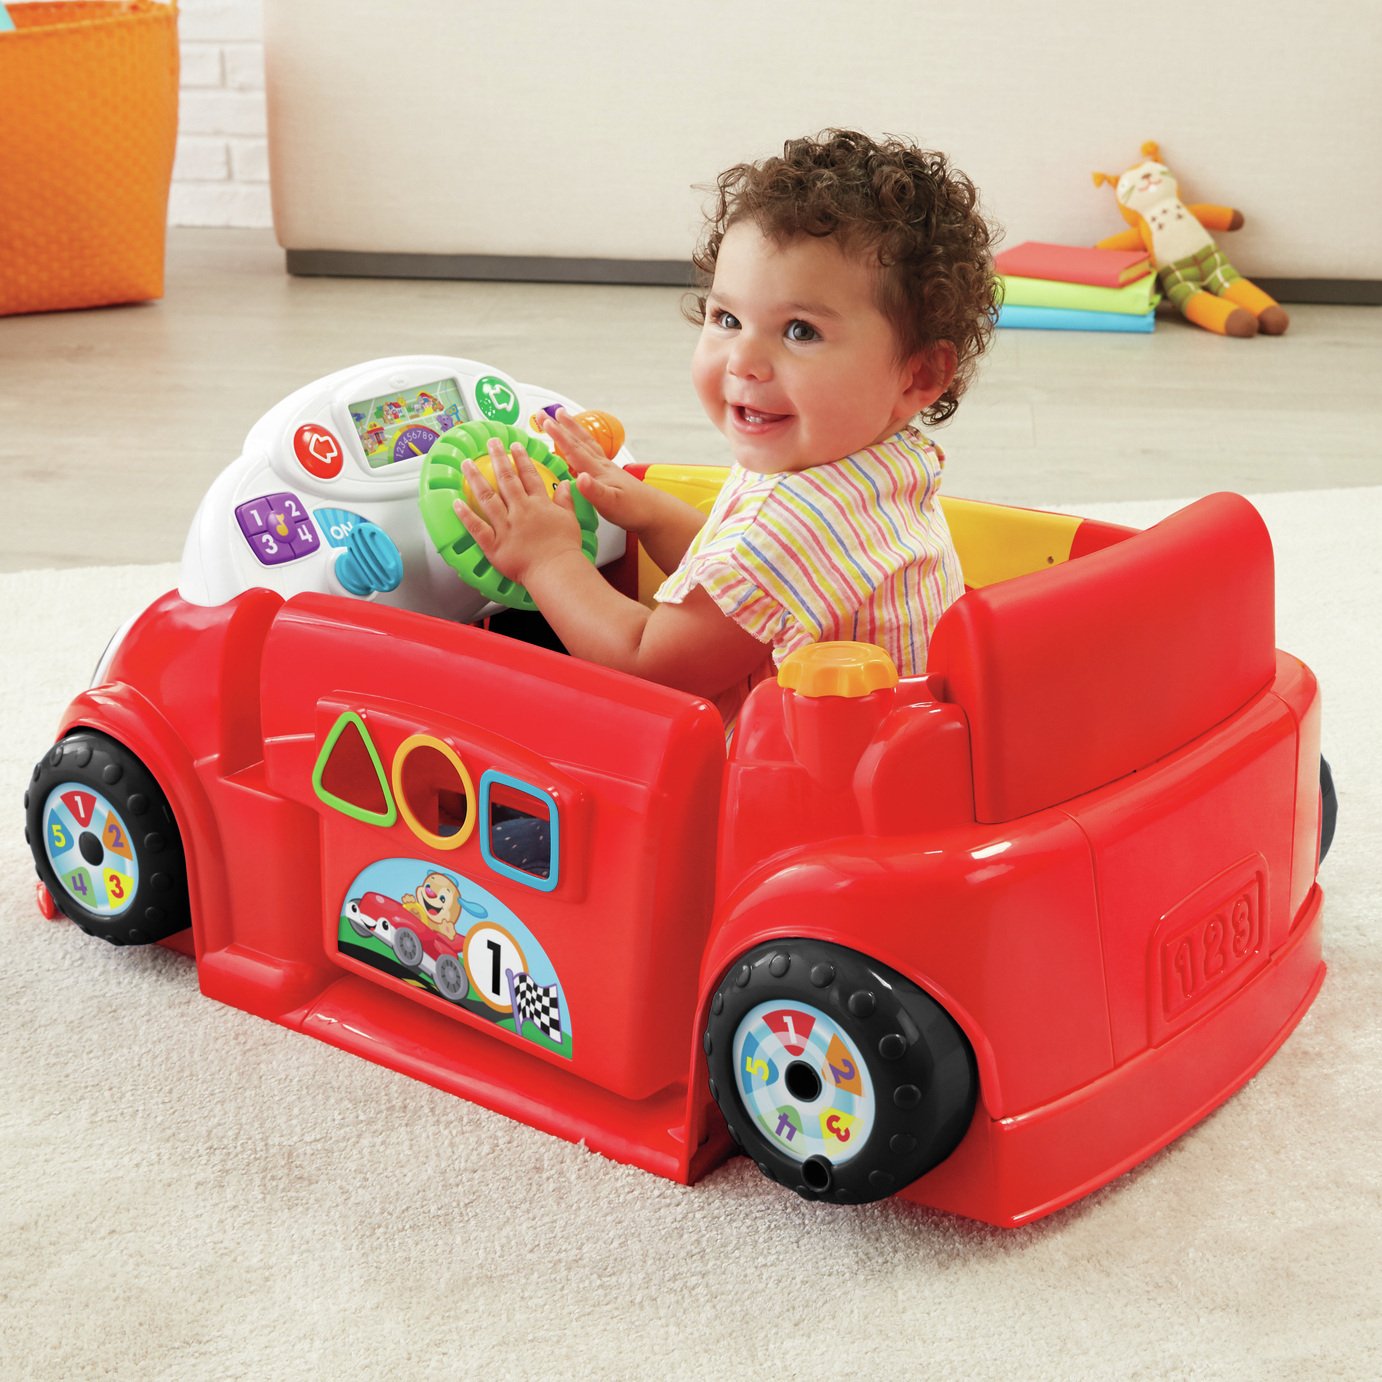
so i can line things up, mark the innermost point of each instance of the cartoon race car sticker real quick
(441, 932)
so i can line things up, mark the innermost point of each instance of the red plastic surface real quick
(1090, 833)
(1073, 677)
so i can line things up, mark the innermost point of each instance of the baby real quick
(849, 292)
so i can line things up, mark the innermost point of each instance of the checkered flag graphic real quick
(535, 1003)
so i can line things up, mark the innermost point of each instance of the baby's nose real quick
(748, 359)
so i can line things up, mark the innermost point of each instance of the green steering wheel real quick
(442, 483)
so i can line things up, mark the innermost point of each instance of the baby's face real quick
(796, 364)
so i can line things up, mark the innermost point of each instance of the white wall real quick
(221, 173)
(534, 127)
(1255, 102)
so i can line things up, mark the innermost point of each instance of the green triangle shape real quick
(352, 790)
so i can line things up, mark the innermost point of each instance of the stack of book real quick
(1074, 288)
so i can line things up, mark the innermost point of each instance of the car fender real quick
(1000, 927)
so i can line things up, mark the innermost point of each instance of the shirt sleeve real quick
(764, 569)
(737, 591)
(805, 556)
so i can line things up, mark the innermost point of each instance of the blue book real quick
(1070, 319)
(6, 22)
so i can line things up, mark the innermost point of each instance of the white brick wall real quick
(221, 174)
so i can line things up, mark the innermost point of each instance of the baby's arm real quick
(692, 646)
(664, 525)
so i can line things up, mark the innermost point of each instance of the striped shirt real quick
(854, 549)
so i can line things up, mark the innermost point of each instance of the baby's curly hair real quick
(906, 206)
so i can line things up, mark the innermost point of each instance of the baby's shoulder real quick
(911, 446)
(903, 463)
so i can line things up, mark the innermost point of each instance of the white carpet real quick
(188, 1192)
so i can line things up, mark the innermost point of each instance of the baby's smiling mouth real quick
(755, 417)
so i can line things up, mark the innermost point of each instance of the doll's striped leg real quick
(1183, 283)
(1221, 277)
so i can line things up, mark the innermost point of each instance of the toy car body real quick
(985, 938)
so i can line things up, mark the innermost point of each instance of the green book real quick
(1133, 299)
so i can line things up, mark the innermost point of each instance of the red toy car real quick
(984, 939)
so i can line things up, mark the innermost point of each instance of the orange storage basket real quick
(88, 125)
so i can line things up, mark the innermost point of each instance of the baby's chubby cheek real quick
(708, 380)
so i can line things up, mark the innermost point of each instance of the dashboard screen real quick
(402, 425)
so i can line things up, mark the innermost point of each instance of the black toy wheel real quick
(105, 841)
(1329, 807)
(407, 947)
(839, 1077)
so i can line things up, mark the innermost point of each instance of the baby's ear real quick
(931, 371)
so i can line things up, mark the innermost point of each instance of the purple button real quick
(278, 528)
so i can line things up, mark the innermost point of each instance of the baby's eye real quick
(719, 317)
(801, 331)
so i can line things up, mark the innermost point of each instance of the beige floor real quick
(113, 422)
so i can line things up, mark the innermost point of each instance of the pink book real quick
(1073, 264)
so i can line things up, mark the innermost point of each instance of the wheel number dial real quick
(88, 846)
(799, 1074)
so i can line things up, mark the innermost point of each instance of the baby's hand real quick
(615, 494)
(519, 526)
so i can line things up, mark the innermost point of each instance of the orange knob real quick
(607, 430)
(837, 669)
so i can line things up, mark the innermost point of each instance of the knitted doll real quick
(1194, 272)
